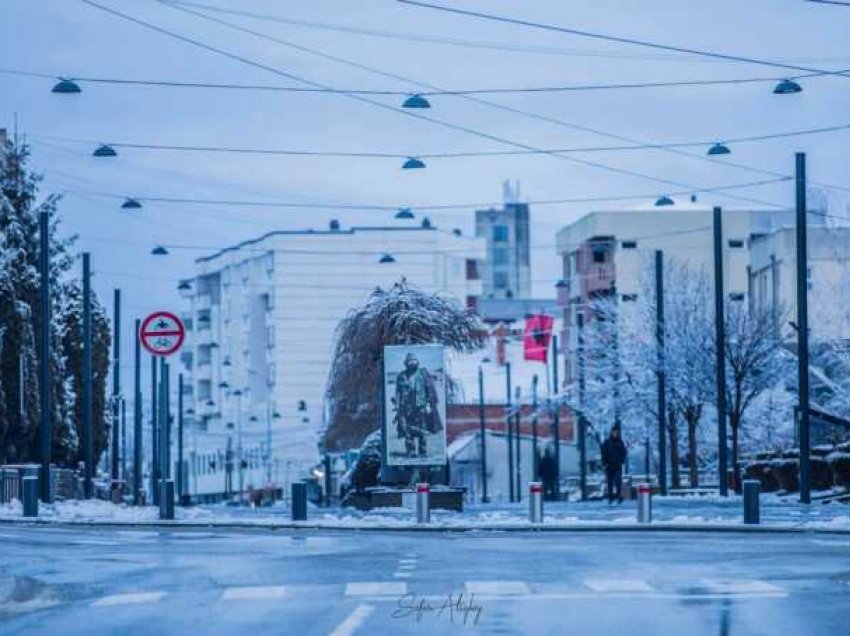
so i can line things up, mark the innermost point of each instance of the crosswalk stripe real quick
(741, 587)
(407, 561)
(353, 621)
(497, 587)
(369, 588)
(253, 593)
(618, 585)
(137, 598)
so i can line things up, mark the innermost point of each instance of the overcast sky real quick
(71, 38)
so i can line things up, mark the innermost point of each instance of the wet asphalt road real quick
(83, 581)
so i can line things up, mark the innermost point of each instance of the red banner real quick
(538, 335)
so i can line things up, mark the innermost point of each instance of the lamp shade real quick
(787, 87)
(413, 163)
(404, 213)
(416, 101)
(387, 258)
(159, 250)
(664, 200)
(719, 149)
(131, 204)
(104, 150)
(66, 87)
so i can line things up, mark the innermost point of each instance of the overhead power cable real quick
(470, 98)
(622, 40)
(449, 155)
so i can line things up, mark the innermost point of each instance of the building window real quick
(471, 269)
(629, 298)
(629, 245)
(500, 233)
(736, 297)
(598, 255)
(500, 256)
(472, 303)
(500, 280)
(736, 243)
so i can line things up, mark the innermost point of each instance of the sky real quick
(70, 38)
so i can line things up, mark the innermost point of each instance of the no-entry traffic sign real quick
(162, 333)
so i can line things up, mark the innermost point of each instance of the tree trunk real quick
(675, 473)
(693, 466)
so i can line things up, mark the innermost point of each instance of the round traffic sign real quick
(162, 333)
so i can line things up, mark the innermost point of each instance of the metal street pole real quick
(582, 424)
(137, 418)
(88, 436)
(269, 415)
(482, 425)
(509, 436)
(180, 470)
(803, 331)
(154, 477)
(720, 349)
(124, 441)
(238, 394)
(46, 381)
(662, 391)
(535, 472)
(556, 417)
(116, 385)
(165, 433)
(518, 445)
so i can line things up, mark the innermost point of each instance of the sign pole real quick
(88, 436)
(137, 418)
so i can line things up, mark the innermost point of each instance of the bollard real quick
(752, 490)
(29, 491)
(116, 491)
(299, 501)
(535, 502)
(644, 503)
(166, 499)
(423, 503)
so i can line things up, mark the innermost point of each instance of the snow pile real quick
(96, 510)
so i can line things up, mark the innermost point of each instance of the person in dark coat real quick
(549, 474)
(613, 457)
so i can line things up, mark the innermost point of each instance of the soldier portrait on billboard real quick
(414, 405)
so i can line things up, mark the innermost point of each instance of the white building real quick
(612, 253)
(263, 318)
(773, 279)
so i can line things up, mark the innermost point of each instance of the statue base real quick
(442, 498)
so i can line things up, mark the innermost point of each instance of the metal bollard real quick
(423, 503)
(644, 503)
(752, 490)
(166, 499)
(535, 502)
(299, 501)
(29, 492)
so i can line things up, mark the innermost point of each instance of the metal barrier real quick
(752, 491)
(535, 502)
(10, 484)
(644, 503)
(423, 503)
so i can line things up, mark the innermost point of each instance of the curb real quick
(435, 527)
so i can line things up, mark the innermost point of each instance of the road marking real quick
(607, 586)
(253, 593)
(742, 587)
(402, 575)
(93, 542)
(367, 588)
(410, 562)
(354, 620)
(137, 598)
(497, 588)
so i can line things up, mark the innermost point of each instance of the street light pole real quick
(509, 427)
(556, 417)
(88, 437)
(116, 386)
(518, 444)
(662, 390)
(720, 352)
(481, 423)
(803, 331)
(535, 473)
(238, 394)
(45, 376)
(181, 473)
(582, 424)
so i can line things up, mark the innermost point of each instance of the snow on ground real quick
(667, 511)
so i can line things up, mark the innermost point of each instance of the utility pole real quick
(180, 470)
(582, 433)
(535, 472)
(137, 418)
(482, 426)
(556, 417)
(803, 331)
(116, 387)
(720, 348)
(46, 380)
(509, 437)
(88, 437)
(662, 390)
(154, 477)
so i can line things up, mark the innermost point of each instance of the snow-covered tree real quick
(399, 315)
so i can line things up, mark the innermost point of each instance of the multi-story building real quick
(506, 272)
(773, 279)
(612, 253)
(263, 317)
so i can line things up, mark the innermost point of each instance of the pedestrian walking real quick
(549, 475)
(613, 457)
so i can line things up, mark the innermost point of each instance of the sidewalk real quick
(687, 513)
